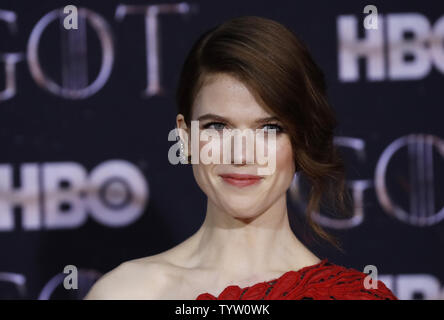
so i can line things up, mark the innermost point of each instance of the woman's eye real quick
(214, 125)
(272, 126)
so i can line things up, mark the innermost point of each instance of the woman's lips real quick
(241, 180)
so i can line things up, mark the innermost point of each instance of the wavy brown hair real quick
(278, 69)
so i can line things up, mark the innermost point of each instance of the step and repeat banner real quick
(87, 103)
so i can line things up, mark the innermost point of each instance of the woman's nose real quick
(242, 147)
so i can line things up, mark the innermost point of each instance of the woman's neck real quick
(240, 247)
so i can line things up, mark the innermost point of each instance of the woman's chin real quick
(246, 218)
(243, 212)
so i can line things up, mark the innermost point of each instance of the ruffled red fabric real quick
(322, 281)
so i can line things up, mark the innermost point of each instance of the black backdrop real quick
(84, 174)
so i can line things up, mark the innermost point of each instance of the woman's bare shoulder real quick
(141, 278)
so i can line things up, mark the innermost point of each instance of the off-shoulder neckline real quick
(285, 274)
(322, 262)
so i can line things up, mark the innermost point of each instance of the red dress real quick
(322, 281)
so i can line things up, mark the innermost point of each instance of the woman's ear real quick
(183, 132)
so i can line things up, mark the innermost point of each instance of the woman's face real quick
(232, 106)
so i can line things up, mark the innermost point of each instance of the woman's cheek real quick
(210, 148)
(284, 155)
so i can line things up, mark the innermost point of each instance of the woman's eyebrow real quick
(267, 119)
(213, 116)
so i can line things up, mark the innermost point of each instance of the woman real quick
(251, 73)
